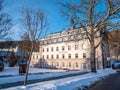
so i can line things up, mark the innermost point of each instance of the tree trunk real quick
(93, 62)
(27, 69)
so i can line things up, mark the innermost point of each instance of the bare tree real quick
(95, 14)
(35, 26)
(25, 46)
(5, 22)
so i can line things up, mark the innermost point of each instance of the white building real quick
(68, 49)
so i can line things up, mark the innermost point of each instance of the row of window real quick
(57, 64)
(63, 56)
(63, 48)
(76, 38)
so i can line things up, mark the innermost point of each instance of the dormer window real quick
(76, 38)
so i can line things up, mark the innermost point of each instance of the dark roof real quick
(13, 44)
(8, 44)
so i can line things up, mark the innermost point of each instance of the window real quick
(69, 55)
(57, 49)
(84, 55)
(43, 49)
(69, 47)
(36, 56)
(62, 39)
(76, 64)
(52, 49)
(52, 63)
(49, 41)
(52, 56)
(54, 41)
(43, 56)
(69, 64)
(76, 38)
(45, 42)
(63, 65)
(76, 47)
(63, 48)
(33, 56)
(57, 64)
(47, 56)
(47, 49)
(63, 56)
(76, 55)
(82, 46)
(57, 56)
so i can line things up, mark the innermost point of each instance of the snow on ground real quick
(15, 71)
(13, 75)
(70, 83)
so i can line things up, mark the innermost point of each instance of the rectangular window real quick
(63, 48)
(33, 56)
(57, 56)
(84, 55)
(52, 56)
(43, 56)
(47, 56)
(47, 49)
(62, 39)
(52, 49)
(57, 64)
(76, 55)
(69, 64)
(76, 65)
(43, 49)
(52, 63)
(57, 49)
(69, 55)
(76, 47)
(36, 56)
(69, 47)
(63, 64)
(63, 56)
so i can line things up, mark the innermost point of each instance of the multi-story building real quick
(68, 49)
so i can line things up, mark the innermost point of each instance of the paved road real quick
(111, 83)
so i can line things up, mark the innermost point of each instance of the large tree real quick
(95, 14)
(35, 25)
(5, 22)
(5, 25)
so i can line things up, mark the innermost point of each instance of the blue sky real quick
(56, 21)
(51, 8)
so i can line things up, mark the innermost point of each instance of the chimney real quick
(72, 24)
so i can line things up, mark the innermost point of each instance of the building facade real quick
(68, 49)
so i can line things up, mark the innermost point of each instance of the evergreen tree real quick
(12, 60)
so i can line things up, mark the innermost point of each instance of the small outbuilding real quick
(22, 66)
